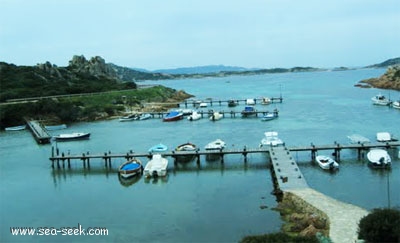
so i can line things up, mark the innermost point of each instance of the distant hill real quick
(202, 69)
(80, 76)
(387, 63)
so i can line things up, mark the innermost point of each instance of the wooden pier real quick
(212, 102)
(209, 113)
(57, 157)
(285, 170)
(39, 132)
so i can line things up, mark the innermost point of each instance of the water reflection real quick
(63, 175)
(127, 182)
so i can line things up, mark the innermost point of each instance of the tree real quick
(381, 225)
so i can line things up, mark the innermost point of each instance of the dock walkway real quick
(287, 173)
(343, 217)
(38, 131)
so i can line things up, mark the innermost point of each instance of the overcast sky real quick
(156, 34)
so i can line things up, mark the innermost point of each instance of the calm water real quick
(213, 202)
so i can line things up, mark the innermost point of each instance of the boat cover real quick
(131, 166)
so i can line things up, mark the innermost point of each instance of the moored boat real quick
(249, 111)
(326, 162)
(194, 116)
(144, 116)
(15, 128)
(271, 139)
(158, 148)
(250, 101)
(156, 167)
(380, 99)
(396, 104)
(265, 101)
(130, 168)
(385, 137)
(232, 103)
(173, 116)
(217, 146)
(130, 117)
(72, 136)
(379, 158)
(270, 115)
(186, 147)
(215, 116)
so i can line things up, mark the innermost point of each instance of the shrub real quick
(381, 225)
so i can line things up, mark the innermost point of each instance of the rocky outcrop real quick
(96, 66)
(389, 80)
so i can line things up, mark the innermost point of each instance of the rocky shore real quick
(389, 80)
(301, 218)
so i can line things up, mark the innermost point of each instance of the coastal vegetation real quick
(381, 225)
(90, 107)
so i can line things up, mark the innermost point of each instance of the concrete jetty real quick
(343, 217)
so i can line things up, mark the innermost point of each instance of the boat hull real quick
(130, 168)
(173, 116)
(156, 167)
(379, 158)
(16, 128)
(72, 136)
(326, 163)
(186, 147)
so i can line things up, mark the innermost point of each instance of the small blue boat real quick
(249, 111)
(173, 116)
(130, 168)
(158, 148)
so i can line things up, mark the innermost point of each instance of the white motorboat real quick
(385, 137)
(203, 105)
(72, 136)
(216, 116)
(194, 116)
(379, 158)
(266, 101)
(380, 99)
(130, 117)
(217, 144)
(326, 162)
(270, 115)
(144, 116)
(396, 104)
(271, 139)
(16, 128)
(357, 138)
(250, 102)
(156, 167)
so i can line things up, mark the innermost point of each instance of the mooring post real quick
(245, 153)
(313, 151)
